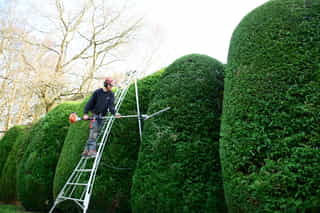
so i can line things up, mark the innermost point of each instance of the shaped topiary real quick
(271, 125)
(178, 167)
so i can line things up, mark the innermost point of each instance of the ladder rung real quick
(70, 198)
(78, 184)
(84, 170)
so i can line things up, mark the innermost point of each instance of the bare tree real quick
(61, 59)
(96, 32)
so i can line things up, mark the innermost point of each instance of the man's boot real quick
(85, 153)
(92, 153)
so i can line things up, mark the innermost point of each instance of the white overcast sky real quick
(202, 26)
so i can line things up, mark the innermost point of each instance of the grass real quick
(11, 209)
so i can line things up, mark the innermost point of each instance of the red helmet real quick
(108, 81)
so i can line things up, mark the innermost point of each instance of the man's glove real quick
(118, 115)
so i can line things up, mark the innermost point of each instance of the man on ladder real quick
(100, 103)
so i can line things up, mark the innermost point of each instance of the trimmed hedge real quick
(6, 144)
(70, 155)
(37, 168)
(8, 179)
(178, 167)
(113, 185)
(271, 116)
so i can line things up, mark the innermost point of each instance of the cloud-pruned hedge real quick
(271, 116)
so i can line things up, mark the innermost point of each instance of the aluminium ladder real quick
(79, 185)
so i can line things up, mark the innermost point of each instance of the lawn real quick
(11, 209)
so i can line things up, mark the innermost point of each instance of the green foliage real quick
(37, 168)
(6, 144)
(112, 187)
(271, 116)
(8, 179)
(178, 167)
(70, 154)
(11, 209)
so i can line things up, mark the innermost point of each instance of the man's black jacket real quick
(100, 102)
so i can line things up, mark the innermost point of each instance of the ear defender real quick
(107, 81)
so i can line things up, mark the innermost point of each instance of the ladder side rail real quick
(97, 159)
(69, 179)
(79, 176)
(97, 163)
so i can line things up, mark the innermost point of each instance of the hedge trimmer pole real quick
(73, 117)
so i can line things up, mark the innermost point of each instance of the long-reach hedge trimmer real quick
(75, 118)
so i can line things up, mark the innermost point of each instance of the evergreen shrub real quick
(271, 116)
(37, 168)
(6, 144)
(70, 155)
(8, 179)
(178, 168)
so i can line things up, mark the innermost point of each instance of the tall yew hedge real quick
(8, 179)
(271, 112)
(70, 155)
(178, 167)
(37, 168)
(6, 144)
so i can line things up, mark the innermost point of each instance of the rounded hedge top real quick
(6, 144)
(271, 115)
(178, 163)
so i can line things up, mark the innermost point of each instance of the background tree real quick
(60, 52)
